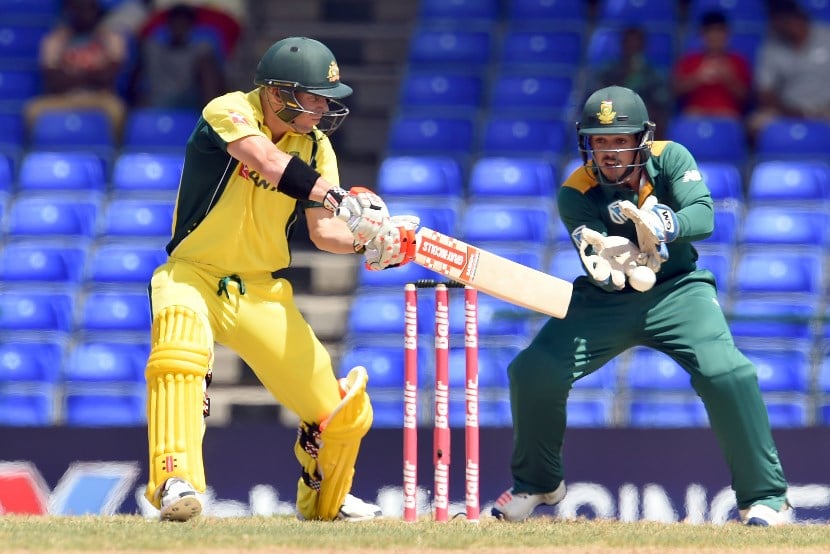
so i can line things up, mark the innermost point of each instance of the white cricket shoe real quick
(517, 507)
(761, 515)
(179, 501)
(355, 509)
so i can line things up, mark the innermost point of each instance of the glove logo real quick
(667, 217)
(615, 213)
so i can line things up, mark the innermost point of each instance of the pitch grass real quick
(285, 534)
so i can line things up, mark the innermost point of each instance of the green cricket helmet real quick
(615, 111)
(300, 64)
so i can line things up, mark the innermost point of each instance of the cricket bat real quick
(492, 274)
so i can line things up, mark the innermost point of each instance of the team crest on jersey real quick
(692, 175)
(615, 213)
(606, 112)
(576, 236)
(334, 72)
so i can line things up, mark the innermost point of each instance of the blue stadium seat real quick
(115, 311)
(540, 51)
(38, 214)
(66, 171)
(724, 181)
(27, 309)
(463, 12)
(571, 165)
(495, 317)
(435, 91)
(37, 360)
(73, 130)
(594, 411)
(425, 135)
(393, 277)
(742, 14)
(137, 218)
(512, 178)
(538, 95)
(787, 413)
(6, 174)
(512, 136)
(379, 312)
(124, 262)
(727, 224)
(785, 226)
(27, 407)
(13, 138)
(603, 379)
(818, 9)
(705, 136)
(823, 379)
(654, 371)
(107, 361)
(779, 271)
(781, 370)
(492, 412)
(104, 408)
(566, 264)
(442, 215)
(492, 366)
(42, 260)
(450, 48)
(489, 221)
(156, 129)
(793, 139)
(141, 171)
(805, 182)
(16, 87)
(419, 176)
(20, 42)
(28, 12)
(384, 364)
(387, 412)
(649, 13)
(687, 411)
(720, 264)
(605, 46)
(771, 319)
(546, 14)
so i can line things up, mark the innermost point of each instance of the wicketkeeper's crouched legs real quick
(538, 398)
(328, 450)
(739, 419)
(180, 356)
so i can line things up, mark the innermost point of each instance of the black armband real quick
(297, 179)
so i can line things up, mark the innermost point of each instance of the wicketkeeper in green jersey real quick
(252, 162)
(633, 210)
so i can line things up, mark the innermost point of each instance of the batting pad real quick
(329, 468)
(179, 360)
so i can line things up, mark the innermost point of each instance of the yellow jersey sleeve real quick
(235, 115)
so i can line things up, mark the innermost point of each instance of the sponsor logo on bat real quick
(436, 251)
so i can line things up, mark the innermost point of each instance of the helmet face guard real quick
(300, 64)
(330, 119)
(614, 111)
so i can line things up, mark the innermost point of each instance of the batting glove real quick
(394, 244)
(362, 210)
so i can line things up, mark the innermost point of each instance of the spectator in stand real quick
(80, 59)
(713, 81)
(793, 66)
(633, 70)
(195, 65)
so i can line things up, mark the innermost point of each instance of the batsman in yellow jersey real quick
(252, 162)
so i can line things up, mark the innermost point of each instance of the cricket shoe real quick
(518, 506)
(355, 509)
(761, 515)
(179, 501)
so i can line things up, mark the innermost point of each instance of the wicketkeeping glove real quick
(394, 244)
(656, 225)
(362, 210)
(611, 259)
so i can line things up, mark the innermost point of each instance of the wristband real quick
(297, 179)
(334, 196)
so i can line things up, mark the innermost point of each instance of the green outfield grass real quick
(284, 534)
